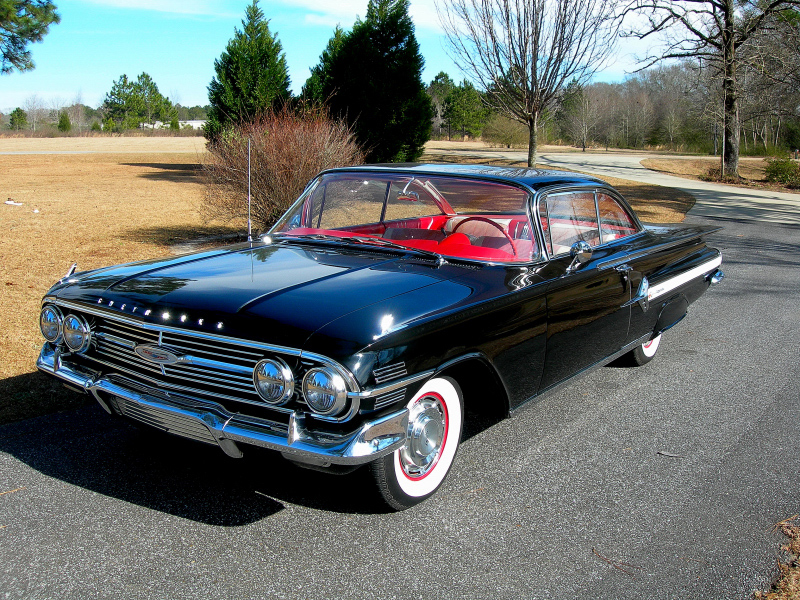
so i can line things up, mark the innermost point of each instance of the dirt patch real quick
(653, 203)
(94, 209)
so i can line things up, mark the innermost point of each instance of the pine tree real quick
(123, 104)
(318, 82)
(251, 75)
(23, 22)
(465, 111)
(64, 124)
(372, 78)
(19, 120)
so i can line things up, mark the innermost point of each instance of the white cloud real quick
(216, 8)
(325, 12)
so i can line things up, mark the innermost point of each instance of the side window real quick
(571, 217)
(615, 222)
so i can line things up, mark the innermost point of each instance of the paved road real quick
(533, 503)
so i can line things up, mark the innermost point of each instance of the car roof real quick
(533, 178)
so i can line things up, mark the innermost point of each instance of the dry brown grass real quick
(105, 144)
(695, 168)
(787, 587)
(751, 171)
(94, 209)
(653, 203)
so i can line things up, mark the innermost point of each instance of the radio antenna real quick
(249, 197)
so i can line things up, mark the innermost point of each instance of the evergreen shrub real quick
(783, 170)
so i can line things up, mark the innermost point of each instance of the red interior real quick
(430, 233)
(435, 233)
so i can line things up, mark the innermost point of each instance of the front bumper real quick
(211, 423)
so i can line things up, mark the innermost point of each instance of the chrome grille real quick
(214, 369)
(389, 373)
(165, 420)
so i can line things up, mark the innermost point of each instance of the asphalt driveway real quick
(657, 482)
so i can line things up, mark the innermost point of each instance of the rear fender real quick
(672, 312)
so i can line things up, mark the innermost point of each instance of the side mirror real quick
(580, 252)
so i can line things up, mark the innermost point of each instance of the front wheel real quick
(414, 472)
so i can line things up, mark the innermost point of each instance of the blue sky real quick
(177, 41)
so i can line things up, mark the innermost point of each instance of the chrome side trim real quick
(390, 387)
(190, 417)
(386, 374)
(664, 287)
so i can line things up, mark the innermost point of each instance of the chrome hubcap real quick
(426, 435)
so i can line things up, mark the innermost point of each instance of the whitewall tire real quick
(643, 354)
(414, 472)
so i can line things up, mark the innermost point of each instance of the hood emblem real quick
(156, 354)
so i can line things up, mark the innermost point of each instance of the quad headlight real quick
(325, 391)
(274, 381)
(77, 333)
(50, 323)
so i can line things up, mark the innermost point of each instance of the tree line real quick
(675, 107)
(529, 66)
(125, 107)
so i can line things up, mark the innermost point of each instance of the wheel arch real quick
(486, 400)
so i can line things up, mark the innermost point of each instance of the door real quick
(587, 306)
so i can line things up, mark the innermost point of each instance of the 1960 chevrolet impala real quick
(386, 304)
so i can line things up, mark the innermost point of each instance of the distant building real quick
(194, 124)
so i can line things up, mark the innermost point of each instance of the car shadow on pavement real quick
(92, 450)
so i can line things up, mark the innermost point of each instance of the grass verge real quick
(751, 171)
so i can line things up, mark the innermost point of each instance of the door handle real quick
(623, 270)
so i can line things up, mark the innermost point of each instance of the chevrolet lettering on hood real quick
(388, 305)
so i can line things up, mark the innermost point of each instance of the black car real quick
(385, 304)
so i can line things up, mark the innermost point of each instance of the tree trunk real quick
(730, 150)
(532, 139)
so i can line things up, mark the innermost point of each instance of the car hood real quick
(292, 289)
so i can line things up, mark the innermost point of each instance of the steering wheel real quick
(497, 225)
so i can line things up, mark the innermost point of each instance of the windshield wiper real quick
(360, 240)
(371, 241)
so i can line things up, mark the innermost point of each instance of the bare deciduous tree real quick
(34, 107)
(710, 29)
(77, 115)
(524, 52)
(583, 115)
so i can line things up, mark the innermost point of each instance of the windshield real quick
(451, 216)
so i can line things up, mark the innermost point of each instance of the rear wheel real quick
(414, 472)
(643, 354)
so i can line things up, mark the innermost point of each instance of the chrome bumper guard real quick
(211, 423)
